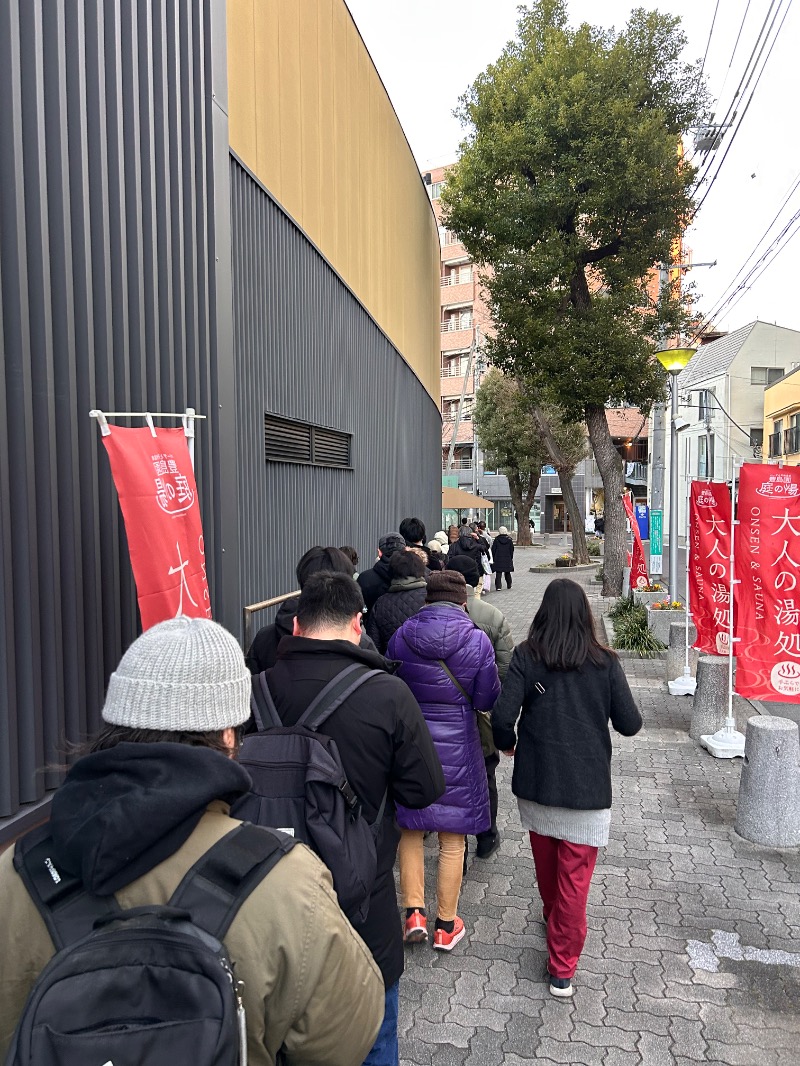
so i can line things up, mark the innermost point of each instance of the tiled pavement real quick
(673, 873)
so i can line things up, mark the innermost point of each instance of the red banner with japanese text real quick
(767, 543)
(158, 496)
(639, 576)
(710, 565)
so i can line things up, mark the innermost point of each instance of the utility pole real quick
(460, 411)
(659, 421)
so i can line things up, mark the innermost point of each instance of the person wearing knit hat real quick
(147, 801)
(448, 663)
(447, 587)
(185, 675)
(502, 558)
(441, 536)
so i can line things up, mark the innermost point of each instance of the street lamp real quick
(674, 360)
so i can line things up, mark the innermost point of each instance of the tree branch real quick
(594, 255)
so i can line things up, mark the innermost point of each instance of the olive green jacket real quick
(495, 625)
(310, 984)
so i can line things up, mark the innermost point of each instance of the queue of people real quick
(412, 684)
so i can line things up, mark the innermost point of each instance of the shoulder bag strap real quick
(262, 704)
(214, 889)
(455, 680)
(67, 909)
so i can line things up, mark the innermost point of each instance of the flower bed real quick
(661, 614)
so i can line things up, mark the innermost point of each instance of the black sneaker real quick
(561, 987)
(488, 845)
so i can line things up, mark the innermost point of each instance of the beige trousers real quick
(450, 872)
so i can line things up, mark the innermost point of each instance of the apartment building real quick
(782, 418)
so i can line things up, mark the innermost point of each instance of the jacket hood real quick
(403, 584)
(437, 630)
(121, 812)
(502, 537)
(284, 619)
(466, 540)
(381, 568)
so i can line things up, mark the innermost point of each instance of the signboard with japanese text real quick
(709, 565)
(158, 496)
(656, 542)
(767, 549)
(639, 575)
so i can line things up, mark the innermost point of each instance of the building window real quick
(435, 189)
(705, 404)
(705, 456)
(289, 441)
(757, 440)
(765, 375)
(791, 444)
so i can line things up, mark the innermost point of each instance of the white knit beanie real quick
(441, 536)
(182, 675)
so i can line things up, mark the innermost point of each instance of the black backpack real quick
(300, 787)
(150, 984)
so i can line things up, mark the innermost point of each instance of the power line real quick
(735, 47)
(708, 42)
(793, 186)
(738, 125)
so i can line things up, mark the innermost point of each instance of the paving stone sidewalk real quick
(663, 979)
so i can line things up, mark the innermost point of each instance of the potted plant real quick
(565, 560)
(660, 614)
(649, 594)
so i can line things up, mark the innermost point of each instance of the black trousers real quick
(498, 579)
(491, 762)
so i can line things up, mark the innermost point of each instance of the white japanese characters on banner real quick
(768, 594)
(709, 565)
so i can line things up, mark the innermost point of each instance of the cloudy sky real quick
(429, 51)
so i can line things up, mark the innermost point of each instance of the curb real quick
(570, 569)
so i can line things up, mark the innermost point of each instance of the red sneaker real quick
(416, 929)
(444, 941)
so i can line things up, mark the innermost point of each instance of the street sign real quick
(656, 542)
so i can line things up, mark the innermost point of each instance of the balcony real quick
(456, 279)
(457, 324)
(636, 473)
(775, 445)
(791, 440)
(458, 464)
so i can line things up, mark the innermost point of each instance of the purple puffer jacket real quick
(444, 631)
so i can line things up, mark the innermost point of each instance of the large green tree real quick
(519, 436)
(570, 186)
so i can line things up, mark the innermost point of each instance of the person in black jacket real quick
(471, 545)
(375, 581)
(502, 558)
(404, 597)
(264, 649)
(568, 686)
(384, 746)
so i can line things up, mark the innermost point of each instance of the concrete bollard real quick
(768, 809)
(676, 650)
(711, 696)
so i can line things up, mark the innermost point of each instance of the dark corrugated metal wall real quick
(305, 348)
(107, 199)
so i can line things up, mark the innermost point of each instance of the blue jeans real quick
(385, 1051)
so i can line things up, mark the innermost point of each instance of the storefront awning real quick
(457, 500)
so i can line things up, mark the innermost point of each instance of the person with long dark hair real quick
(568, 687)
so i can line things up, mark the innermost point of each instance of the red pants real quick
(564, 873)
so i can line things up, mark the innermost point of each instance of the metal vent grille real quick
(288, 441)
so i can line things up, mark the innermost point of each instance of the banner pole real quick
(728, 742)
(188, 429)
(685, 685)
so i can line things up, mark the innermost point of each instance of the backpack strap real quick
(338, 689)
(67, 909)
(214, 889)
(262, 704)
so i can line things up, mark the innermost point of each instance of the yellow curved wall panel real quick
(309, 115)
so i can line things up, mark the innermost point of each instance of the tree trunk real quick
(610, 465)
(579, 549)
(565, 473)
(523, 495)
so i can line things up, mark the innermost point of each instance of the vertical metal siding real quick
(305, 348)
(109, 203)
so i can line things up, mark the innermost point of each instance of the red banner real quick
(710, 566)
(767, 596)
(639, 576)
(158, 497)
